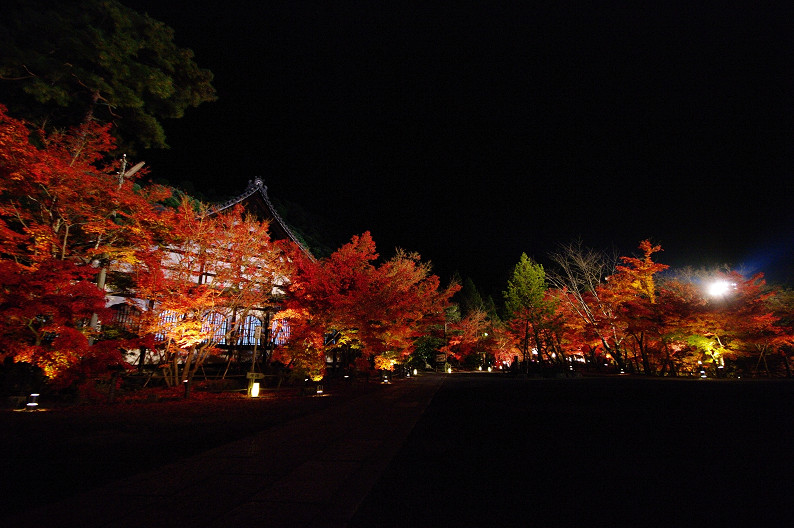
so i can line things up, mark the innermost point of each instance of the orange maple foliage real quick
(63, 213)
(669, 326)
(213, 270)
(378, 309)
(63, 201)
(740, 324)
(631, 293)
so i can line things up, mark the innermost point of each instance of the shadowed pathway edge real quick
(312, 471)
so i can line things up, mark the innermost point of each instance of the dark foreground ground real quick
(59, 452)
(594, 452)
(488, 451)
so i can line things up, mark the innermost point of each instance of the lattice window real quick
(250, 325)
(126, 316)
(166, 321)
(279, 330)
(217, 324)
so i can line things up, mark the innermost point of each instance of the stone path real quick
(311, 472)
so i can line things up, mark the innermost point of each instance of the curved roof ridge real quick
(251, 189)
(254, 186)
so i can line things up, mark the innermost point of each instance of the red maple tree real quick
(212, 272)
(631, 291)
(379, 309)
(64, 214)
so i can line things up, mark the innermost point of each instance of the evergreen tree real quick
(469, 298)
(491, 309)
(526, 304)
(62, 62)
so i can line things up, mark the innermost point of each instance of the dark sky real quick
(474, 132)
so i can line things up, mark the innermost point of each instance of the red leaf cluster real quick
(378, 308)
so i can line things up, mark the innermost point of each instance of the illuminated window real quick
(217, 324)
(332, 337)
(166, 321)
(250, 325)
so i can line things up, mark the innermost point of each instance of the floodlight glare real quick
(719, 288)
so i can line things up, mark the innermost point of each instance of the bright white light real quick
(33, 402)
(719, 288)
(449, 370)
(255, 390)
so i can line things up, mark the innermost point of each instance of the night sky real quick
(474, 132)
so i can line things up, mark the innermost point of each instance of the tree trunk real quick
(786, 363)
(614, 352)
(186, 370)
(229, 355)
(141, 359)
(669, 360)
(592, 351)
(762, 358)
(176, 373)
(538, 344)
(100, 284)
(65, 238)
(526, 347)
(646, 361)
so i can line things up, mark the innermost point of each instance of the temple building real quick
(258, 327)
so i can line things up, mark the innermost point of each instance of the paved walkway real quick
(311, 472)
